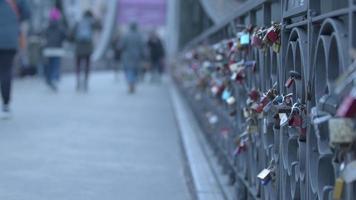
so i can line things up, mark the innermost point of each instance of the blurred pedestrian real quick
(55, 35)
(132, 47)
(12, 13)
(83, 36)
(117, 54)
(157, 53)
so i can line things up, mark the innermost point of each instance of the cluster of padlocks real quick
(273, 136)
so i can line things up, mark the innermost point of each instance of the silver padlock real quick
(349, 172)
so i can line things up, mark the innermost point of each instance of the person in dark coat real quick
(55, 35)
(132, 54)
(11, 14)
(83, 35)
(157, 53)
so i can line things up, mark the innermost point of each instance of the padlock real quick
(272, 34)
(265, 176)
(329, 103)
(239, 75)
(289, 82)
(278, 100)
(348, 106)
(349, 172)
(295, 119)
(264, 101)
(234, 67)
(293, 75)
(213, 119)
(241, 147)
(276, 47)
(318, 117)
(256, 41)
(226, 94)
(288, 99)
(254, 95)
(284, 120)
(231, 101)
(338, 189)
(250, 64)
(245, 39)
(342, 131)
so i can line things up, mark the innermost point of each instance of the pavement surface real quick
(103, 145)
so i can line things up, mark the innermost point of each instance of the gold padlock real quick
(338, 188)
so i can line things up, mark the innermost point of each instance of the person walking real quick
(132, 48)
(157, 53)
(55, 35)
(12, 13)
(83, 35)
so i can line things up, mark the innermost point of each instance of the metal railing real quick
(316, 36)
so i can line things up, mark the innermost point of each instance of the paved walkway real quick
(104, 145)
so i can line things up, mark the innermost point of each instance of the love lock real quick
(257, 37)
(241, 146)
(239, 75)
(342, 131)
(254, 95)
(235, 66)
(268, 174)
(266, 99)
(329, 103)
(272, 34)
(348, 106)
(244, 38)
(288, 99)
(226, 94)
(231, 100)
(293, 75)
(276, 47)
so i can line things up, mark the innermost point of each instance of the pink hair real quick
(55, 14)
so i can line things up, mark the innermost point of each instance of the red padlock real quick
(295, 121)
(272, 35)
(289, 82)
(262, 105)
(242, 147)
(347, 108)
(254, 95)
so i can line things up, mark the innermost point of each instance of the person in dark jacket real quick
(83, 36)
(156, 51)
(132, 47)
(55, 35)
(11, 14)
